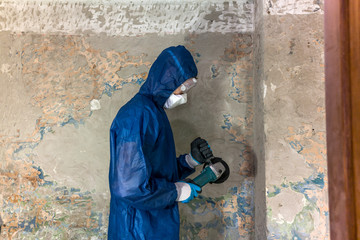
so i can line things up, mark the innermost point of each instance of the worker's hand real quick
(200, 150)
(186, 191)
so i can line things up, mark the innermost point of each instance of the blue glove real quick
(195, 189)
(187, 191)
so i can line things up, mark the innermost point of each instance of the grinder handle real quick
(188, 180)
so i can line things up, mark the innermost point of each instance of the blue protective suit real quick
(143, 163)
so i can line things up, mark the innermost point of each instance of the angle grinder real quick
(215, 170)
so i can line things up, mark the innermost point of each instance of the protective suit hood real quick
(173, 67)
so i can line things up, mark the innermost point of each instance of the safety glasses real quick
(187, 85)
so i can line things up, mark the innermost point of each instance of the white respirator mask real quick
(175, 100)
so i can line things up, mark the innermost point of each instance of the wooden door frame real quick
(342, 74)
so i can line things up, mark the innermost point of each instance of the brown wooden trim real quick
(342, 72)
(354, 26)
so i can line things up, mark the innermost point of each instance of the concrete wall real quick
(259, 135)
(67, 67)
(294, 120)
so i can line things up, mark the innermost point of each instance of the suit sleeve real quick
(130, 175)
(184, 169)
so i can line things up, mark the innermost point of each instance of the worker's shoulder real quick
(139, 107)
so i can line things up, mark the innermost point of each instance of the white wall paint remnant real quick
(95, 105)
(5, 68)
(265, 89)
(273, 87)
(126, 19)
(283, 7)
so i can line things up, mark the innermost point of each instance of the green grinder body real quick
(206, 176)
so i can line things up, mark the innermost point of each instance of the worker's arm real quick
(130, 176)
(185, 167)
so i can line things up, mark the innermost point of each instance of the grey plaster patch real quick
(286, 163)
(285, 200)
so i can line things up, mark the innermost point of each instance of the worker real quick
(145, 176)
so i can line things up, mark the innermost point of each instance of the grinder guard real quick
(224, 176)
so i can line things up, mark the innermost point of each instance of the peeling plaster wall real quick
(66, 69)
(294, 120)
